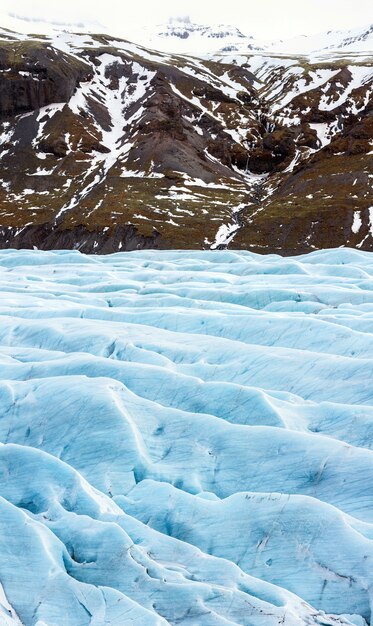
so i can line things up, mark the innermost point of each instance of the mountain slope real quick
(107, 145)
(185, 37)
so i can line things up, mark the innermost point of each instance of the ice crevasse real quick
(186, 438)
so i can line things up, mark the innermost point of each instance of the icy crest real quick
(186, 439)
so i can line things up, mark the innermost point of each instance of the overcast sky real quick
(262, 18)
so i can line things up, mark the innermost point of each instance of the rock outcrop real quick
(33, 75)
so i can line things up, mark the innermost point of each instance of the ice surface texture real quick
(186, 439)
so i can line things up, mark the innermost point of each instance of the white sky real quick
(266, 19)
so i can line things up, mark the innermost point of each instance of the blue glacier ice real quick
(186, 438)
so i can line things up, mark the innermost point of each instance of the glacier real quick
(186, 438)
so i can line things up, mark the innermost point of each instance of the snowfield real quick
(186, 439)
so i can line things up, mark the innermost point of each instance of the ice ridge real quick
(186, 438)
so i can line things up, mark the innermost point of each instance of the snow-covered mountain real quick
(182, 35)
(108, 145)
(186, 439)
(350, 41)
(25, 25)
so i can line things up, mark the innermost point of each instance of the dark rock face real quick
(308, 137)
(262, 161)
(58, 147)
(38, 76)
(355, 138)
(275, 149)
(281, 142)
